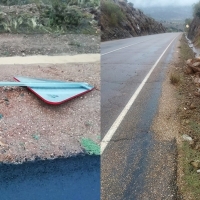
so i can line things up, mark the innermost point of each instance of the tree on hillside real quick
(131, 4)
(188, 21)
(196, 9)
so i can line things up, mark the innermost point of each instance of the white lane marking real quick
(119, 119)
(122, 48)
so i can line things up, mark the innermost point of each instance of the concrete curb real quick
(81, 58)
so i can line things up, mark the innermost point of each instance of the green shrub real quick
(62, 16)
(113, 11)
(82, 3)
(131, 4)
(174, 78)
(18, 23)
(113, 19)
(54, 16)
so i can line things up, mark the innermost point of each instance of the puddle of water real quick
(63, 179)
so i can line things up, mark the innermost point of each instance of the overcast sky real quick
(148, 3)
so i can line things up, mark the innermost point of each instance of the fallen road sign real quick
(51, 91)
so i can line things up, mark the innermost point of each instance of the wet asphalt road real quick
(75, 178)
(128, 161)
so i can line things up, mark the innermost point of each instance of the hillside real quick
(194, 30)
(194, 26)
(120, 19)
(52, 16)
(172, 17)
(168, 13)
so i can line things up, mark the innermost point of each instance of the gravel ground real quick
(189, 117)
(166, 125)
(172, 122)
(161, 174)
(163, 167)
(46, 44)
(31, 129)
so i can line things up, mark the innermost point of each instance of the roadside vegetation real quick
(42, 16)
(174, 78)
(196, 9)
(189, 116)
(113, 12)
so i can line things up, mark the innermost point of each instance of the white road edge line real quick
(119, 119)
(122, 48)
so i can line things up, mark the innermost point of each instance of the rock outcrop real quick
(194, 28)
(193, 66)
(133, 22)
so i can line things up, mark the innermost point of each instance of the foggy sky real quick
(149, 3)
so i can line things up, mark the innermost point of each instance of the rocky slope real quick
(194, 29)
(194, 26)
(120, 19)
(168, 13)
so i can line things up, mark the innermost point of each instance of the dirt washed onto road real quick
(31, 129)
(48, 44)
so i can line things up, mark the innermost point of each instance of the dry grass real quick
(191, 177)
(185, 52)
(175, 78)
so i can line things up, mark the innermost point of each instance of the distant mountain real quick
(169, 13)
(120, 19)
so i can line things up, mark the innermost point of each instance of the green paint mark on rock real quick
(1, 116)
(36, 137)
(90, 146)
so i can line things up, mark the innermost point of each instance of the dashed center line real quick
(122, 48)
